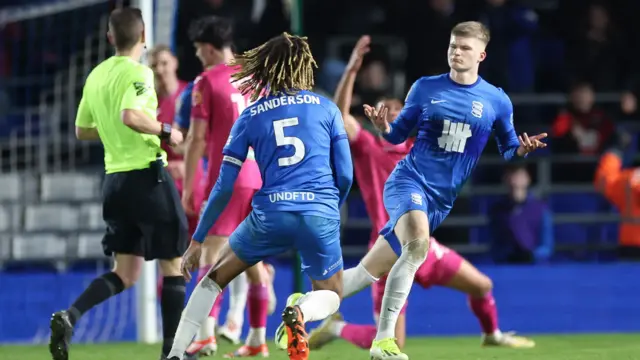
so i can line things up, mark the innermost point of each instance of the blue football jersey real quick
(292, 139)
(454, 122)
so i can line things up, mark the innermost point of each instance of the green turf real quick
(562, 347)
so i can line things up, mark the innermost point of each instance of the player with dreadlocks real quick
(302, 150)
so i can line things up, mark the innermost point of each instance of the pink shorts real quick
(441, 265)
(198, 195)
(236, 211)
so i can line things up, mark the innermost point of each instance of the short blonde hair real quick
(160, 48)
(472, 29)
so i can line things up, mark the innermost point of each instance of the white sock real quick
(194, 314)
(208, 329)
(318, 305)
(238, 290)
(256, 337)
(398, 287)
(335, 328)
(356, 279)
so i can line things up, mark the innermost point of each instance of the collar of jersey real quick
(464, 85)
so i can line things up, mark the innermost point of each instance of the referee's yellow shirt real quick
(117, 84)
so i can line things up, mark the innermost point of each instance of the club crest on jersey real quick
(476, 109)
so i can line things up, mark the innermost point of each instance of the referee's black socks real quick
(171, 304)
(100, 289)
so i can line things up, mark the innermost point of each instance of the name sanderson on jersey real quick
(284, 101)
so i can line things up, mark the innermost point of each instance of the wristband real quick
(165, 133)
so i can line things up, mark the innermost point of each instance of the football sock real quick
(398, 287)
(171, 305)
(486, 311)
(100, 289)
(359, 335)
(195, 313)
(356, 279)
(208, 327)
(256, 336)
(238, 292)
(318, 305)
(258, 305)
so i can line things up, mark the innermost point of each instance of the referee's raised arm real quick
(141, 206)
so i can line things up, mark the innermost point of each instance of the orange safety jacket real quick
(622, 188)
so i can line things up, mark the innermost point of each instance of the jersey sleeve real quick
(402, 127)
(237, 146)
(338, 131)
(84, 119)
(505, 133)
(200, 104)
(183, 108)
(139, 91)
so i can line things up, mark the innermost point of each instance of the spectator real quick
(521, 225)
(373, 82)
(621, 187)
(427, 28)
(511, 64)
(596, 53)
(581, 128)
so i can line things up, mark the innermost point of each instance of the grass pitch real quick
(559, 347)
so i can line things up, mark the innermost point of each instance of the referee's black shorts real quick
(144, 217)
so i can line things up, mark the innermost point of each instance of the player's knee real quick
(481, 287)
(417, 249)
(128, 278)
(170, 267)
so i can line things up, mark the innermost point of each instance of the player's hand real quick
(191, 260)
(530, 143)
(187, 202)
(378, 117)
(176, 137)
(362, 47)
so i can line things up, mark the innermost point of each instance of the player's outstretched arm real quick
(510, 144)
(344, 92)
(398, 131)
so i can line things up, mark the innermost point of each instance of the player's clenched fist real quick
(529, 144)
(378, 117)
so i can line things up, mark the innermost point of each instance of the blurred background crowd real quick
(568, 67)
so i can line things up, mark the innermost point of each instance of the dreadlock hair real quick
(282, 65)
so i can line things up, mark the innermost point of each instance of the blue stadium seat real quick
(482, 204)
(577, 203)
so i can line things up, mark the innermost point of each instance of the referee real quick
(141, 207)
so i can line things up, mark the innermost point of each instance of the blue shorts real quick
(317, 240)
(404, 195)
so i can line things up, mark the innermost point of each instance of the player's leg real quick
(123, 240)
(478, 286)
(252, 287)
(204, 342)
(318, 243)
(249, 244)
(165, 238)
(374, 265)
(408, 232)
(361, 335)
(258, 298)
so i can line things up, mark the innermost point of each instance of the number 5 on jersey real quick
(282, 140)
